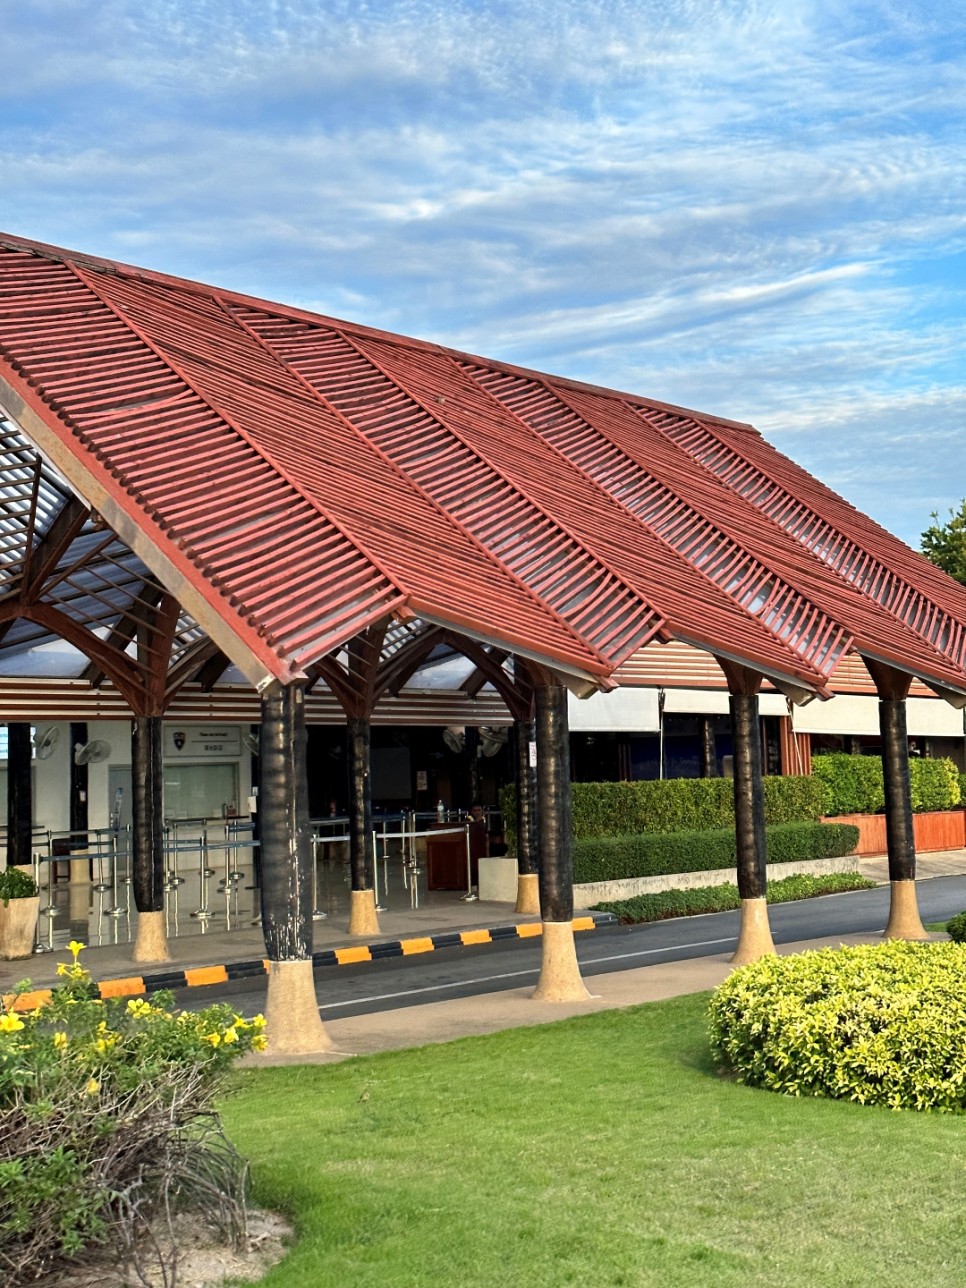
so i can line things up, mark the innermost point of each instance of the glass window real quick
(200, 791)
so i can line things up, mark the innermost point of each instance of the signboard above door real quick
(201, 741)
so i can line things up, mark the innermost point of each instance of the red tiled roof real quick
(306, 477)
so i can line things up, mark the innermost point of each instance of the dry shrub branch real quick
(107, 1129)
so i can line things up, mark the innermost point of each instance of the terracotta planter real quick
(942, 830)
(18, 926)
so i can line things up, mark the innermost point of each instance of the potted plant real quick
(19, 909)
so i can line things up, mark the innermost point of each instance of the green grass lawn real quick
(597, 1151)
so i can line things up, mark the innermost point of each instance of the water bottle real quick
(440, 812)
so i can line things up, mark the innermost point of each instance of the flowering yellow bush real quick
(105, 1105)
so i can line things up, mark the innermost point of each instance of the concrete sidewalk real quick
(433, 1022)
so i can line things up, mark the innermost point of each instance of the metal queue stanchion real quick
(410, 860)
(203, 913)
(117, 910)
(230, 883)
(173, 880)
(172, 877)
(100, 886)
(385, 836)
(471, 896)
(318, 840)
(48, 911)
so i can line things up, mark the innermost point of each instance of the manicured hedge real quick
(934, 784)
(725, 898)
(853, 784)
(880, 1024)
(613, 858)
(674, 805)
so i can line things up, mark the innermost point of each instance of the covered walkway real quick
(196, 483)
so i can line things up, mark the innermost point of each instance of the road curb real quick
(350, 955)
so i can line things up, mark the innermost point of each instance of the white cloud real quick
(754, 206)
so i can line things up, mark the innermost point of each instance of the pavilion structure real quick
(192, 479)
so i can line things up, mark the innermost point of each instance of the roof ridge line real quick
(815, 558)
(613, 500)
(260, 451)
(100, 264)
(431, 500)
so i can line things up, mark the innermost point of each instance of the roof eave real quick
(239, 641)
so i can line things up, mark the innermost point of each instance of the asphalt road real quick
(466, 972)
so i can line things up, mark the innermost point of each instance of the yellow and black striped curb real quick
(199, 976)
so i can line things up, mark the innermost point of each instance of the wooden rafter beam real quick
(122, 671)
(194, 661)
(125, 629)
(516, 691)
(395, 671)
(52, 547)
(212, 671)
(40, 561)
(156, 640)
(475, 681)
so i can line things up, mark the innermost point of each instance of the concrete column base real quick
(151, 943)
(528, 894)
(560, 979)
(904, 919)
(363, 918)
(754, 937)
(293, 1025)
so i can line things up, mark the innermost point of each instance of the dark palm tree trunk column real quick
(363, 918)
(147, 859)
(709, 750)
(80, 865)
(754, 939)
(904, 920)
(292, 1012)
(20, 806)
(560, 979)
(528, 881)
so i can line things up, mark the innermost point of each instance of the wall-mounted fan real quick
(493, 738)
(44, 743)
(91, 753)
(455, 738)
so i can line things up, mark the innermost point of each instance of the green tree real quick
(944, 544)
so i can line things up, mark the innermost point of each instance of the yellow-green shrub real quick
(853, 784)
(881, 1024)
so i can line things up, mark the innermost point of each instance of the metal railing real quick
(218, 859)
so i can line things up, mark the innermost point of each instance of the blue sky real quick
(756, 209)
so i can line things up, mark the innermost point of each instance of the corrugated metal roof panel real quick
(868, 559)
(319, 475)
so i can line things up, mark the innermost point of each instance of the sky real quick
(754, 209)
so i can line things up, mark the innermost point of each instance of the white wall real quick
(846, 714)
(51, 777)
